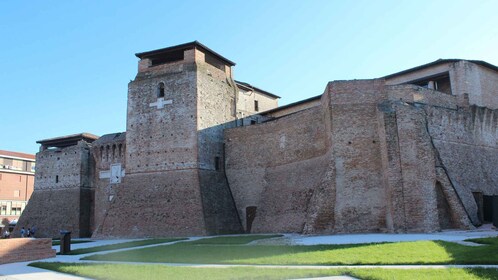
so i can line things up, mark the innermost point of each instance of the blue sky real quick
(65, 65)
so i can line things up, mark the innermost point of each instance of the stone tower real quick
(63, 195)
(181, 100)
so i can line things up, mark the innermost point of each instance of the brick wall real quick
(371, 158)
(63, 196)
(25, 249)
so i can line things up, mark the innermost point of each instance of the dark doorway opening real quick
(443, 208)
(479, 201)
(487, 208)
(250, 215)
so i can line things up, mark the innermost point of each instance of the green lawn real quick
(123, 245)
(223, 251)
(232, 240)
(133, 272)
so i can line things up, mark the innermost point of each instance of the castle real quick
(415, 151)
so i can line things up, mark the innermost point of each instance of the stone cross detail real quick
(114, 175)
(160, 103)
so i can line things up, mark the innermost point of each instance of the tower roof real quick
(69, 140)
(186, 46)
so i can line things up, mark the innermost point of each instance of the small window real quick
(160, 90)
(256, 106)
(57, 178)
(217, 163)
(253, 122)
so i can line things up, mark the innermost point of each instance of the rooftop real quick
(251, 87)
(69, 140)
(441, 61)
(10, 154)
(187, 46)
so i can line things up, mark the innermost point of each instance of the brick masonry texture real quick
(63, 196)
(25, 249)
(380, 155)
(371, 158)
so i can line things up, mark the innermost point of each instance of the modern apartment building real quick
(17, 175)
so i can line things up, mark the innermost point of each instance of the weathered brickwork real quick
(415, 151)
(25, 249)
(392, 158)
(174, 183)
(108, 150)
(63, 196)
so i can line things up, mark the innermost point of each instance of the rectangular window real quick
(3, 209)
(16, 211)
(256, 106)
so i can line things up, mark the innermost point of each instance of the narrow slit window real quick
(217, 163)
(57, 178)
(160, 90)
(256, 106)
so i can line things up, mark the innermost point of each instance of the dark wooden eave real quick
(69, 140)
(248, 86)
(186, 46)
(441, 61)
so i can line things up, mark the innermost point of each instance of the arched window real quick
(160, 90)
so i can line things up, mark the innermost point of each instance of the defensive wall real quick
(370, 158)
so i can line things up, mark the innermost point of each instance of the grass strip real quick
(232, 240)
(419, 252)
(133, 272)
(486, 241)
(129, 244)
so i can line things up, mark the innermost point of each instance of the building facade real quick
(415, 151)
(17, 171)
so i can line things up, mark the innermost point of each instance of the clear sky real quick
(65, 65)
